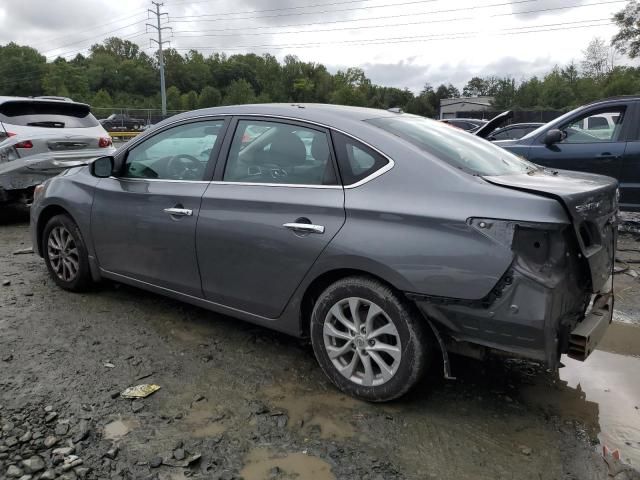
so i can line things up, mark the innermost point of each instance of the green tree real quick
(174, 100)
(21, 70)
(556, 91)
(189, 100)
(102, 99)
(209, 97)
(627, 40)
(239, 92)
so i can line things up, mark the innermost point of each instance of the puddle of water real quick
(260, 461)
(329, 411)
(118, 429)
(611, 381)
(603, 392)
(621, 338)
(204, 423)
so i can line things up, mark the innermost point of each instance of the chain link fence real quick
(130, 119)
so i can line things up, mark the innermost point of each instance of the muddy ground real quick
(237, 401)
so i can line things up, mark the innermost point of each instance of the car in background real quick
(466, 124)
(40, 138)
(121, 121)
(515, 131)
(602, 137)
(382, 237)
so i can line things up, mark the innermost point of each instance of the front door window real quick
(179, 153)
(602, 126)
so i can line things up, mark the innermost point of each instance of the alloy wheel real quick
(362, 342)
(63, 254)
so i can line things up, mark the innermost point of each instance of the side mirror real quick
(102, 167)
(553, 136)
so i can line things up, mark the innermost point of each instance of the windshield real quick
(459, 149)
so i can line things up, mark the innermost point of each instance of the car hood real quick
(491, 125)
(591, 202)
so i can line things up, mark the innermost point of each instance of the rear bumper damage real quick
(588, 334)
(525, 320)
(543, 306)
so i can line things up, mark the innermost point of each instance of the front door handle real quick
(178, 212)
(304, 227)
(606, 156)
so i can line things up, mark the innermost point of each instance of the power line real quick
(116, 20)
(543, 10)
(337, 10)
(87, 47)
(94, 37)
(316, 5)
(409, 39)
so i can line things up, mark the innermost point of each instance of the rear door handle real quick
(304, 227)
(178, 212)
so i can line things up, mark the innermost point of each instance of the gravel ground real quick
(238, 401)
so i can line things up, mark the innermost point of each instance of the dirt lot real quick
(242, 402)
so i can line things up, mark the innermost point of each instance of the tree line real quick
(117, 74)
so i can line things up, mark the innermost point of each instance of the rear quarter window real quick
(47, 114)
(355, 160)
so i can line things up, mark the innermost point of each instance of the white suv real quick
(39, 137)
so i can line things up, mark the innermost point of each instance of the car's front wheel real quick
(65, 254)
(368, 339)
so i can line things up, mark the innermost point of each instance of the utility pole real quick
(158, 14)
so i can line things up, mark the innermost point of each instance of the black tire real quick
(82, 280)
(415, 345)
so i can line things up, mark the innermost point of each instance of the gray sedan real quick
(381, 236)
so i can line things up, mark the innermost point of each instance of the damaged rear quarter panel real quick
(413, 220)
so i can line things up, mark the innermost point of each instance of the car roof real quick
(604, 101)
(337, 116)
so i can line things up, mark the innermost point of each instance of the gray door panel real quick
(248, 259)
(134, 236)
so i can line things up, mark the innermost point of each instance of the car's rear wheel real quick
(65, 254)
(368, 339)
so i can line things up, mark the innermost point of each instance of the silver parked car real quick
(383, 237)
(40, 137)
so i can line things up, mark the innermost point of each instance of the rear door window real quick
(279, 153)
(47, 114)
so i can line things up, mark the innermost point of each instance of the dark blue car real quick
(601, 137)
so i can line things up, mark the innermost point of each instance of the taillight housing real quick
(104, 142)
(24, 144)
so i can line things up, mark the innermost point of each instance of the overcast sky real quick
(401, 43)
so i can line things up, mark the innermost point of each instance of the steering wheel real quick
(184, 167)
